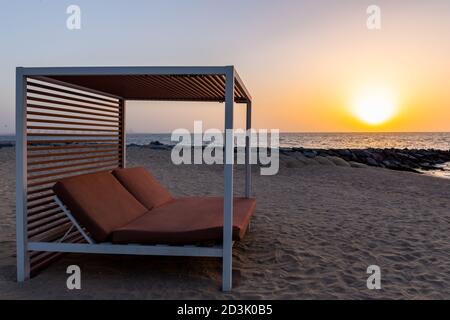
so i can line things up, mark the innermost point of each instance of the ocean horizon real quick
(324, 140)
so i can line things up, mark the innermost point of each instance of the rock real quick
(372, 162)
(345, 153)
(354, 164)
(377, 156)
(310, 153)
(6, 145)
(339, 162)
(306, 161)
(324, 161)
(387, 163)
(156, 145)
(285, 150)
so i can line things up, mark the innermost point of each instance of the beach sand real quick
(315, 231)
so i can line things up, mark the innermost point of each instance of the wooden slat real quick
(73, 122)
(59, 96)
(46, 182)
(39, 197)
(94, 142)
(220, 91)
(49, 219)
(59, 115)
(182, 85)
(68, 104)
(34, 212)
(56, 233)
(71, 165)
(43, 86)
(42, 260)
(60, 173)
(35, 134)
(40, 204)
(211, 90)
(70, 129)
(50, 108)
(55, 210)
(61, 224)
(69, 147)
(43, 215)
(160, 84)
(66, 154)
(40, 190)
(37, 256)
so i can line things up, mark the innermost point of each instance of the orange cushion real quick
(186, 221)
(143, 186)
(99, 202)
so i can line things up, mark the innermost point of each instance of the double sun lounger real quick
(129, 206)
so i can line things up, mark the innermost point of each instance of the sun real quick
(374, 106)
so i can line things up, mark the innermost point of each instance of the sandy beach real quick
(315, 231)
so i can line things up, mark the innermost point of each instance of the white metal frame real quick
(224, 251)
(128, 249)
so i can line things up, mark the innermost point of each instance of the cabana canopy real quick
(150, 83)
(71, 120)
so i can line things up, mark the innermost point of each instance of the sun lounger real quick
(127, 211)
(130, 206)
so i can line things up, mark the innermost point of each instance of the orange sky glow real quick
(304, 62)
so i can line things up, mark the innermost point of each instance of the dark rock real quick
(372, 162)
(310, 154)
(6, 145)
(345, 153)
(156, 145)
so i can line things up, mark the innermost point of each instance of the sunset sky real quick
(311, 66)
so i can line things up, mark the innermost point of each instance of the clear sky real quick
(310, 65)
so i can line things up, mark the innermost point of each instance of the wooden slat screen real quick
(69, 132)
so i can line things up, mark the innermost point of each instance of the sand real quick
(315, 231)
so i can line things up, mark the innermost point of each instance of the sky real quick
(311, 66)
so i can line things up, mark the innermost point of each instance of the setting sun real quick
(374, 106)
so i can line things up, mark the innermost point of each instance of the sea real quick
(411, 140)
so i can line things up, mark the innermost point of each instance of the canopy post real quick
(23, 259)
(228, 182)
(248, 166)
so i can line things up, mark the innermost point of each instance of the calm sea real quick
(327, 140)
(337, 140)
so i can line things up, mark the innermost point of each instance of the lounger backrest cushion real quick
(143, 186)
(99, 202)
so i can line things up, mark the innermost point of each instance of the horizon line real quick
(319, 132)
(295, 132)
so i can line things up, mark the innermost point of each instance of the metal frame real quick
(129, 249)
(224, 251)
(23, 257)
(74, 221)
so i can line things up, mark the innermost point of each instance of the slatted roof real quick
(150, 83)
